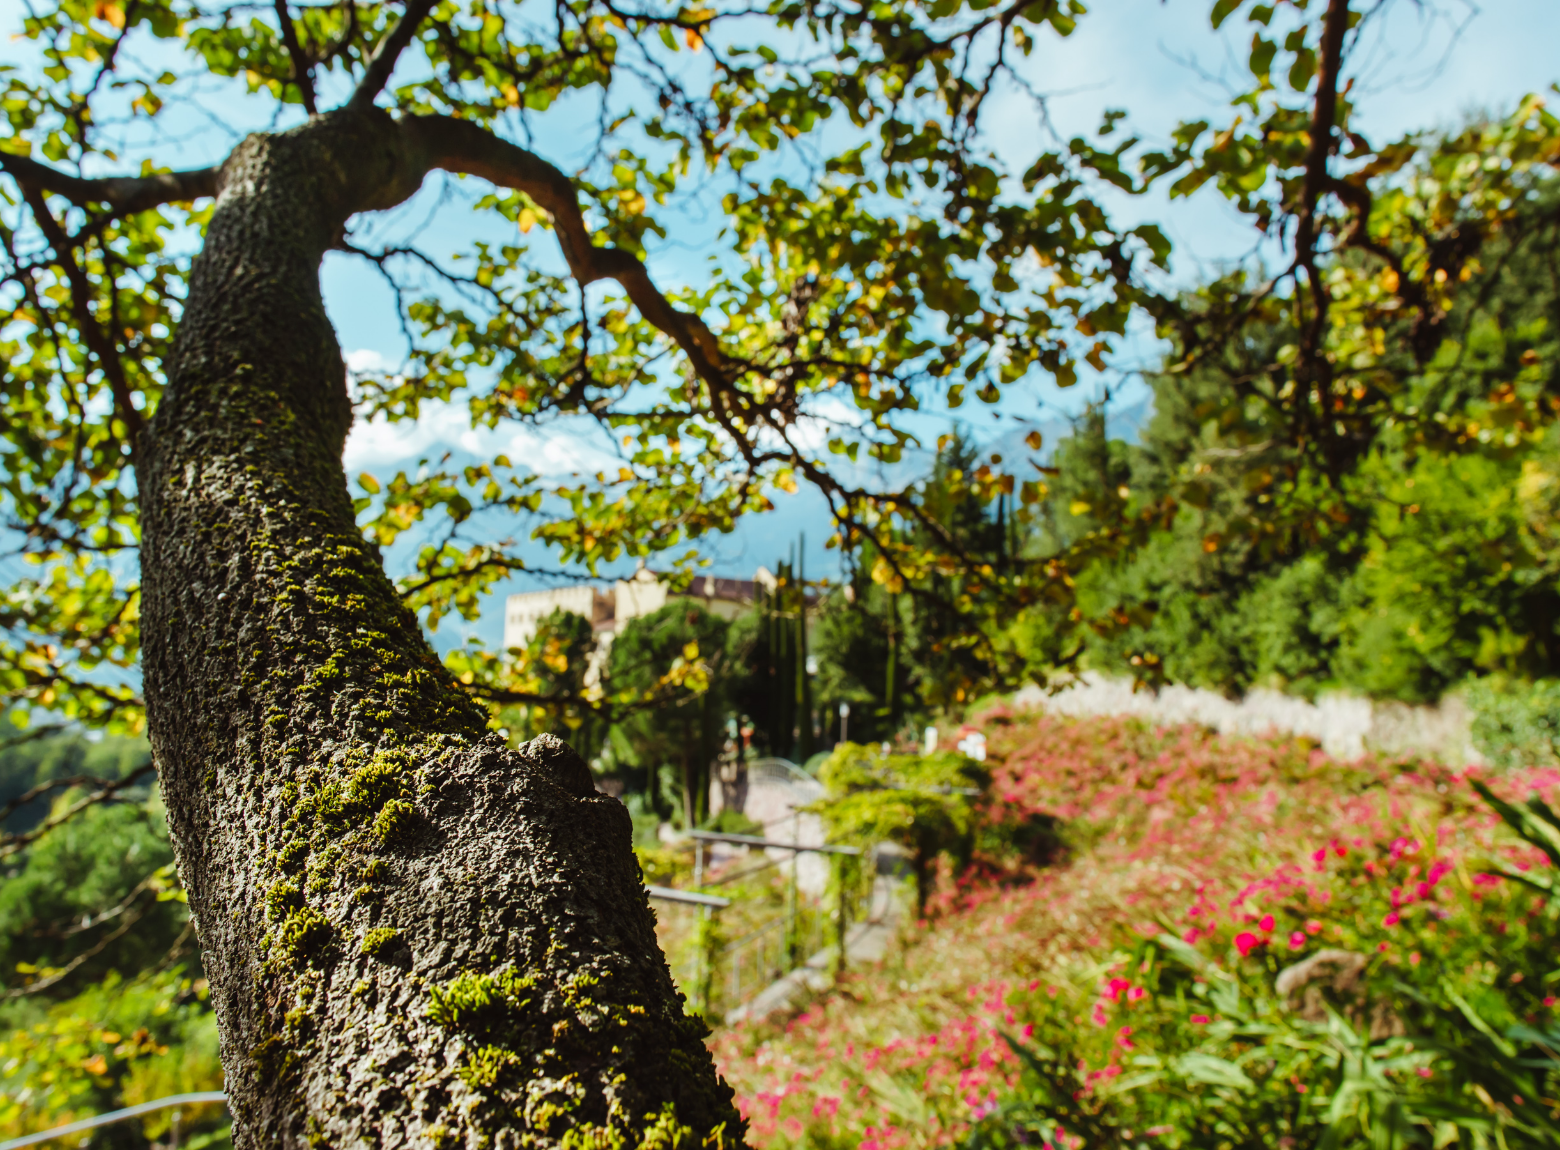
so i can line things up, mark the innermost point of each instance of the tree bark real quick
(414, 935)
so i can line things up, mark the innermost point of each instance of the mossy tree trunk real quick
(414, 935)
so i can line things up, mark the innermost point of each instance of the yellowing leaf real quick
(527, 219)
(113, 13)
(883, 573)
(690, 651)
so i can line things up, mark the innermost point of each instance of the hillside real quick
(1134, 992)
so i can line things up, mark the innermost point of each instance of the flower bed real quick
(1151, 989)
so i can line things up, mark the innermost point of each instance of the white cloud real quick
(380, 446)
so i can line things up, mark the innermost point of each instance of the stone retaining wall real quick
(1344, 725)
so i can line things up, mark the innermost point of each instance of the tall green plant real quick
(923, 803)
(668, 667)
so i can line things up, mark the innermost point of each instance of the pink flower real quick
(1028, 1032)
(1136, 993)
(1266, 923)
(1199, 1019)
(1391, 919)
(1413, 959)
(1313, 926)
(1246, 942)
(1424, 1072)
(1551, 1000)
(1296, 940)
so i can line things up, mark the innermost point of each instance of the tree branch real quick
(11, 844)
(379, 68)
(56, 976)
(459, 146)
(42, 789)
(125, 194)
(303, 74)
(101, 344)
(1317, 179)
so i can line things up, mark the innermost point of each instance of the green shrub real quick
(925, 803)
(1516, 724)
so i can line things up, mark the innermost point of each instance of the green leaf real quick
(1222, 10)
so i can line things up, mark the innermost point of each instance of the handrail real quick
(672, 894)
(760, 841)
(115, 1116)
(756, 932)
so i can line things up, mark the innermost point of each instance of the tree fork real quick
(413, 935)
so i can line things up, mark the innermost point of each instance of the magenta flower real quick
(1266, 923)
(1246, 942)
(1296, 940)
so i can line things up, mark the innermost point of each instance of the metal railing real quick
(112, 1116)
(719, 975)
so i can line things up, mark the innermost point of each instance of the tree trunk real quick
(414, 936)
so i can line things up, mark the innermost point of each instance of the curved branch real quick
(125, 194)
(379, 68)
(462, 147)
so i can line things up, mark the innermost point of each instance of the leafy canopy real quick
(880, 263)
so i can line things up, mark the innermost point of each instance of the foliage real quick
(766, 676)
(921, 802)
(675, 656)
(1421, 562)
(1516, 724)
(881, 262)
(33, 761)
(117, 1044)
(554, 670)
(1131, 995)
(903, 656)
(97, 895)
